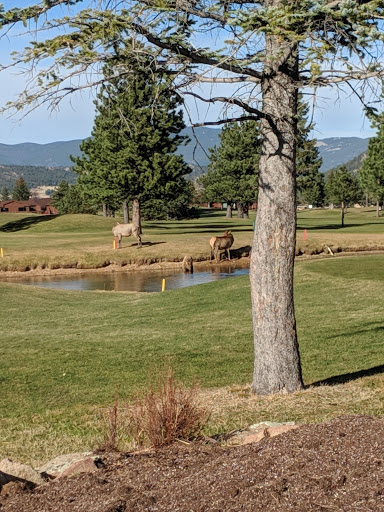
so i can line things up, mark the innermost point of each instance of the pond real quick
(140, 281)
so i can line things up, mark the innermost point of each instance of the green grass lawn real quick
(64, 354)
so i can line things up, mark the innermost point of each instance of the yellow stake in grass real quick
(163, 285)
(1, 252)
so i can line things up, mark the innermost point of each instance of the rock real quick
(81, 466)
(267, 432)
(56, 466)
(15, 471)
(257, 432)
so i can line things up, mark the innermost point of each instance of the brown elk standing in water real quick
(221, 243)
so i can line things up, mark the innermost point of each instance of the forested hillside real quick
(35, 176)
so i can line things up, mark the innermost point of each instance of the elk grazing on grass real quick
(121, 230)
(221, 243)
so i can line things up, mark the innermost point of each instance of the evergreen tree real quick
(233, 170)
(69, 199)
(4, 193)
(131, 155)
(310, 181)
(371, 173)
(20, 191)
(342, 187)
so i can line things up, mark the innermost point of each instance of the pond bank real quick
(242, 262)
(164, 265)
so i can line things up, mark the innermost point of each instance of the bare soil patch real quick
(336, 466)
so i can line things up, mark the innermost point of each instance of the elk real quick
(121, 230)
(221, 243)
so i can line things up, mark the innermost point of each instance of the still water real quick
(140, 281)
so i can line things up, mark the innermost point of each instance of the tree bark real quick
(240, 210)
(366, 200)
(229, 211)
(377, 208)
(126, 212)
(105, 210)
(342, 213)
(245, 211)
(277, 360)
(136, 215)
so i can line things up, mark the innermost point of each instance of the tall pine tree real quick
(131, 155)
(21, 191)
(342, 187)
(233, 170)
(371, 173)
(310, 181)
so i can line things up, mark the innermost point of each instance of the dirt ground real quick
(337, 466)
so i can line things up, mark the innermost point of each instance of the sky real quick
(337, 114)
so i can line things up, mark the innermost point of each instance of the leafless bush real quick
(166, 412)
(113, 421)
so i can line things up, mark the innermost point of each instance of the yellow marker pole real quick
(163, 285)
(115, 243)
(1, 252)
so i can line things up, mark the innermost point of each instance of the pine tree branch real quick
(231, 101)
(13, 16)
(193, 55)
(226, 121)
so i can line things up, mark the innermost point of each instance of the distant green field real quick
(86, 241)
(64, 354)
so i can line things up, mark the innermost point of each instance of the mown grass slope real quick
(64, 355)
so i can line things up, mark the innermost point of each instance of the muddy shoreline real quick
(242, 262)
(112, 268)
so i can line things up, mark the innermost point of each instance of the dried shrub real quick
(165, 413)
(113, 426)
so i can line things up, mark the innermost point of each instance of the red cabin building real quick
(33, 205)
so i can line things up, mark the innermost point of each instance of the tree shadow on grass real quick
(213, 229)
(335, 226)
(146, 244)
(25, 223)
(348, 377)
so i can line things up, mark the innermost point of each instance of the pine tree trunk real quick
(105, 210)
(240, 211)
(342, 213)
(377, 208)
(229, 211)
(126, 212)
(366, 200)
(136, 216)
(277, 360)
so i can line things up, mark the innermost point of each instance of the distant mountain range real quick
(336, 151)
(56, 154)
(54, 158)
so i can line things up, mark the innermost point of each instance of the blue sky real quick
(337, 114)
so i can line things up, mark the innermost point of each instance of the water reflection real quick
(141, 281)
